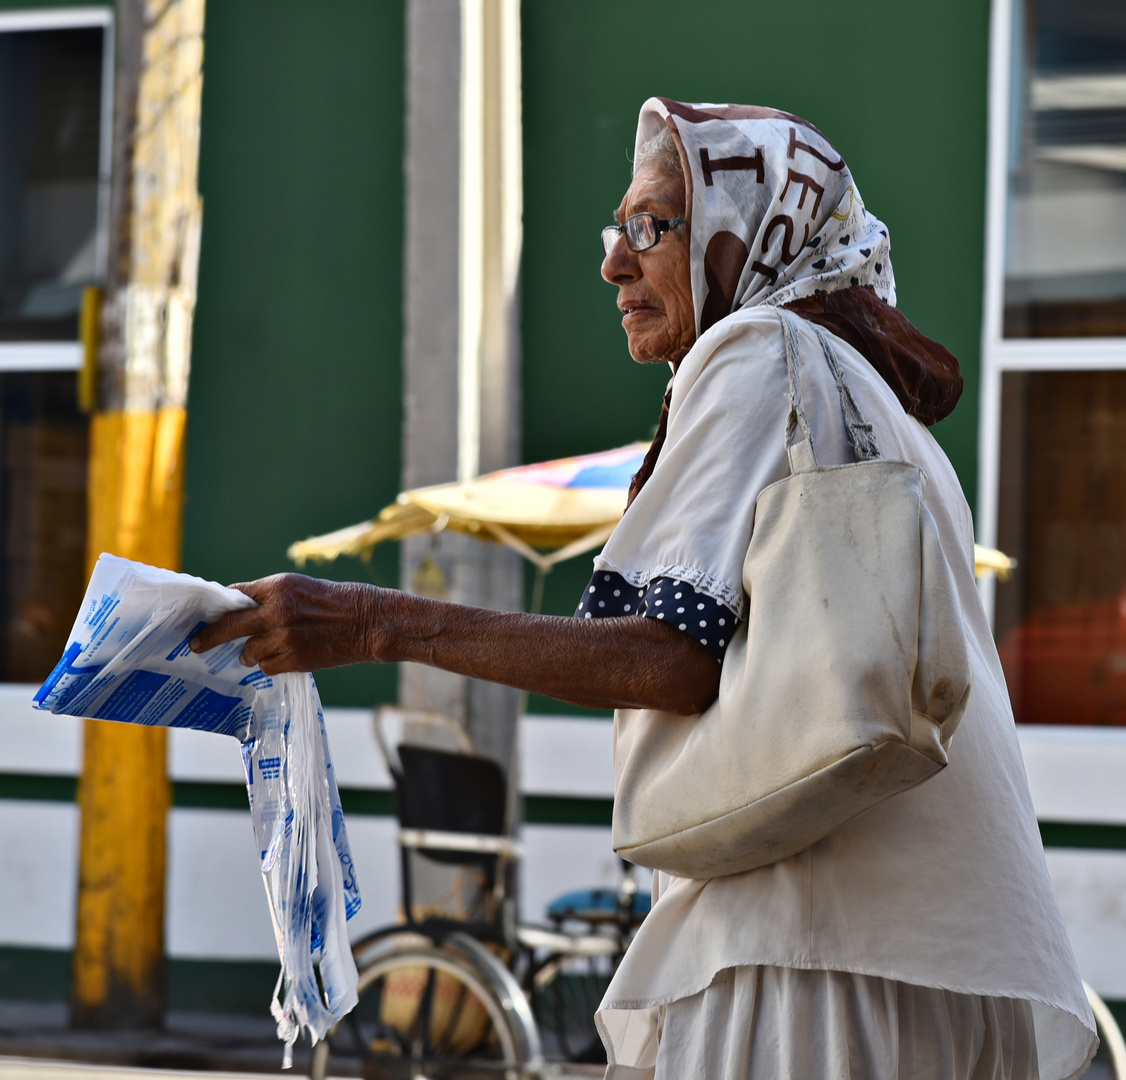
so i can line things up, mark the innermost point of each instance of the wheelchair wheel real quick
(1110, 1061)
(432, 1010)
(566, 994)
(566, 977)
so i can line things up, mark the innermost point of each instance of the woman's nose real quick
(620, 265)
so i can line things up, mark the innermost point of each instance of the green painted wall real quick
(900, 90)
(295, 401)
(295, 407)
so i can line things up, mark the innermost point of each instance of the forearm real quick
(629, 662)
(306, 624)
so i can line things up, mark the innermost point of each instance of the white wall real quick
(217, 907)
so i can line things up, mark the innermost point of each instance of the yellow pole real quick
(138, 387)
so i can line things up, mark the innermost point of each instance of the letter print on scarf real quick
(773, 212)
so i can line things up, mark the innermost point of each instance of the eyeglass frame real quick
(664, 225)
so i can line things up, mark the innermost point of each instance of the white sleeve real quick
(725, 443)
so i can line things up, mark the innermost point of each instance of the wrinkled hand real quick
(300, 624)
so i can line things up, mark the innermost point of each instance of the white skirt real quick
(769, 1023)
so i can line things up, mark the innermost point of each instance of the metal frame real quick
(67, 355)
(1109, 1033)
(433, 839)
(998, 354)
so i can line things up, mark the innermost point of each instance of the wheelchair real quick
(477, 995)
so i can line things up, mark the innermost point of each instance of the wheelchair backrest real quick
(447, 792)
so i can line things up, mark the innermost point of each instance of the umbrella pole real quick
(537, 589)
(533, 609)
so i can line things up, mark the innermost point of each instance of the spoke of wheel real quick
(442, 1042)
(420, 1039)
(562, 1020)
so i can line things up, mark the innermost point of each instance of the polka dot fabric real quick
(610, 596)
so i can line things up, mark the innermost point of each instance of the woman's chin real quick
(646, 352)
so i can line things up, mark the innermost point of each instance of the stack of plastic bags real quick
(129, 660)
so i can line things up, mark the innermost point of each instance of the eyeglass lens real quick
(641, 232)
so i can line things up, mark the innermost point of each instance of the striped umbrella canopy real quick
(548, 512)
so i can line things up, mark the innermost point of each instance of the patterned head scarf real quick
(773, 212)
(774, 218)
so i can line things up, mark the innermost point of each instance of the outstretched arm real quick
(305, 624)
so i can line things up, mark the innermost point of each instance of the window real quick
(43, 440)
(1053, 445)
(55, 79)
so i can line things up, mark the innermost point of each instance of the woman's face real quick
(654, 287)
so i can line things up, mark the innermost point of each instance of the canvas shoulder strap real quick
(799, 438)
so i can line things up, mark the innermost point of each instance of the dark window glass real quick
(1061, 618)
(50, 120)
(43, 439)
(1065, 259)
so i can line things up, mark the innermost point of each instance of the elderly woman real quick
(921, 939)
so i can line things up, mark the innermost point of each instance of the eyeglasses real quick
(642, 231)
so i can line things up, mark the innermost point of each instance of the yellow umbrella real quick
(992, 561)
(565, 507)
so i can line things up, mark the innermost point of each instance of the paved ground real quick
(37, 1044)
(189, 1041)
(31, 1069)
(12, 1068)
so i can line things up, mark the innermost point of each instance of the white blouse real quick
(942, 886)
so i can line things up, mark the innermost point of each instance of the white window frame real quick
(999, 354)
(67, 355)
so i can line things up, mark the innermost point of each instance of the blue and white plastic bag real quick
(128, 660)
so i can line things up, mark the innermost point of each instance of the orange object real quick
(1067, 665)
